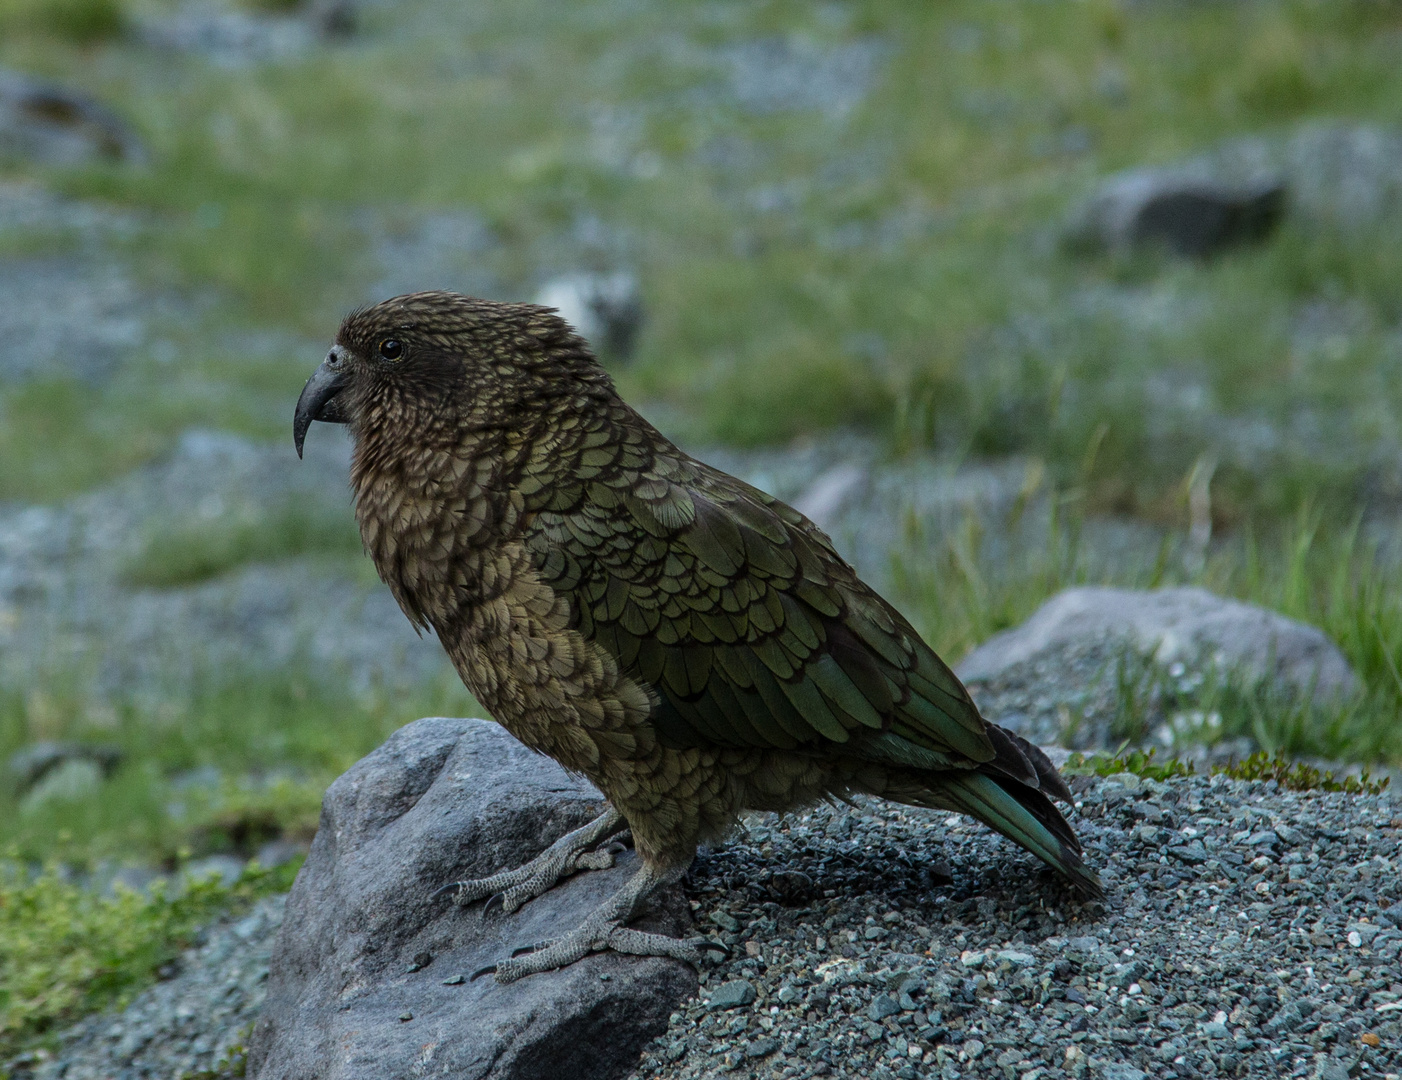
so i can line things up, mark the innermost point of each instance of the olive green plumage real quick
(691, 644)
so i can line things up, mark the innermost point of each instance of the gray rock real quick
(732, 995)
(1191, 215)
(44, 122)
(71, 781)
(226, 868)
(30, 764)
(606, 309)
(1344, 175)
(412, 250)
(1072, 644)
(440, 801)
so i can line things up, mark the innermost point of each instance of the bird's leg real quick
(606, 929)
(558, 861)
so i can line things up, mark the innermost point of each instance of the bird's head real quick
(440, 360)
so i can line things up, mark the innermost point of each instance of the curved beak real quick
(318, 400)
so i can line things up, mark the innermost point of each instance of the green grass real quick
(965, 589)
(186, 553)
(243, 759)
(1288, 774)
(66, 951)
(81, 22)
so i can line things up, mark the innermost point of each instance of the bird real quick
(691, 645)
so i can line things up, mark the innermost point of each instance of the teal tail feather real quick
(1025, 816)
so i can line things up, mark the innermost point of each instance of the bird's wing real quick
(740, 614)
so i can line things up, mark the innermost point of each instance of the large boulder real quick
(365, 979)
(1055, 677)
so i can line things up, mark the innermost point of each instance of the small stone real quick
(882, 1006)
(761, 1048)
(454, 980)
(971, 959)
(725, 921)
(1370, 1039)
(1192, 853)
(973, 1048)
(1355, 939)
(787, 994)
(406, 1016)
(732, 995)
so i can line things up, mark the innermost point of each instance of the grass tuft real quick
(66, 951)
(1289, 774)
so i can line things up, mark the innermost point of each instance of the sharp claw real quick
(495, 900)
(490, 969)
(707, 943)
(452, 885)
(526, 949)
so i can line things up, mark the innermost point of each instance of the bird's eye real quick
(391, 349)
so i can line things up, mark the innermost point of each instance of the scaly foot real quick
(607, 928)
(598, 933)
(564, 857)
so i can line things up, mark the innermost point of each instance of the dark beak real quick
(318, 400)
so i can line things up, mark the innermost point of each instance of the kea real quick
(689, 644)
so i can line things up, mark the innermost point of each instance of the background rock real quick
(606, 309)
(50, 124)
(1190, 215)
(1061, 662)
(358, 975)
(1333, 175)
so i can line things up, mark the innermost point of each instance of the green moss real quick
(66, 951)
(1290, 775)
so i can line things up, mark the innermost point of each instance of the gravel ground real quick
(1247, 932)
(185, 1024)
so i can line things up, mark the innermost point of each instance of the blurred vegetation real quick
(890, 268)
(242, 760)
(188, 553)
(82, 22)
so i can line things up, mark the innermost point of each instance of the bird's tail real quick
(1021, 813)
(1025, 816)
